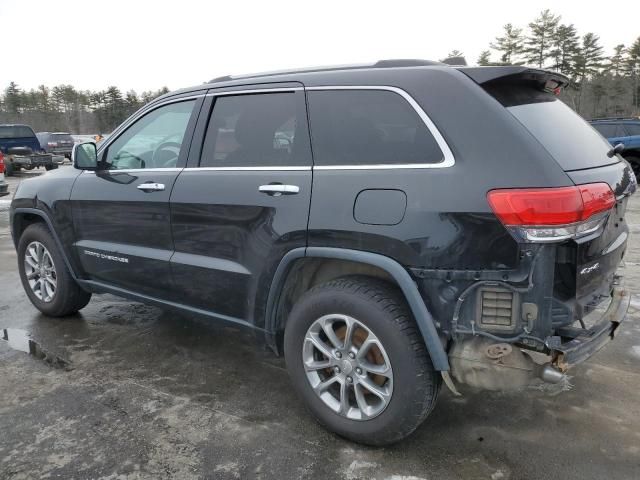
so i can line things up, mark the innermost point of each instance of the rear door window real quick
(257, 130)
(368, 127)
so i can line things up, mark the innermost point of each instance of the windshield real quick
(15, 131)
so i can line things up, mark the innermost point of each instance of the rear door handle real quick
(151, 187)
(276, 189)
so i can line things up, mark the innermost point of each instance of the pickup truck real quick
(22, 150)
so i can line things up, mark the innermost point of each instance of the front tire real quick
(45, 276)
(356, 358)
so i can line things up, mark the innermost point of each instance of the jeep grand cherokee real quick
(385, 228)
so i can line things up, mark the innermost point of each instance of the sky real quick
(144, 45)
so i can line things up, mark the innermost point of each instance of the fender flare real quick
(423, 317)
(54, 234)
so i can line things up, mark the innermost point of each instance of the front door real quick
(121, 211)
(244, 204)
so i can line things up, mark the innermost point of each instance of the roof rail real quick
(615, 118)
(379, 64)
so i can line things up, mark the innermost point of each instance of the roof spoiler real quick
(546, 78)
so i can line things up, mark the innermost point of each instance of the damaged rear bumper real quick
(571, 346)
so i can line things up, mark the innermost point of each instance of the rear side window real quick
(16, 131)
(257, 130)
(368, 127)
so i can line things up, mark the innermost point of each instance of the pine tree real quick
(565, 42)
(12, 98)
(588, 62)
(455, 53)
(588, 59)
(632, 67)
(485, 58)
(510, 44)
(539, 42)
(615, 65)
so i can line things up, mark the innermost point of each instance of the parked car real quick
(421, 223)
(625, 131)
(59, 143)
(4, 188)
(22, 150)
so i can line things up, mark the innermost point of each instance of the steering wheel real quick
(170, 160)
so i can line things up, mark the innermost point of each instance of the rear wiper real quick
(615, 150)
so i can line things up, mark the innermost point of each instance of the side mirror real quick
(85, 156)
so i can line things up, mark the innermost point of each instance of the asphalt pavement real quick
(128, 391)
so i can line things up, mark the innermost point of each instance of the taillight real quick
(52, 144)
(552, 214)
(1, 162)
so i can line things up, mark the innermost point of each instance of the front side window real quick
(153, 141)
(256, 130)
(367, 127)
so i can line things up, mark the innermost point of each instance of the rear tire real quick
(50, 167)
(410, 384)
(58, 294)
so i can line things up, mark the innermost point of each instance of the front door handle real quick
(276, 189)
(151, 187)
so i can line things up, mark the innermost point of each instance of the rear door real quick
(121, 212)
(243, 202)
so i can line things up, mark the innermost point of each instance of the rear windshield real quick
(566, 135)
(61, 136)
(15, 131)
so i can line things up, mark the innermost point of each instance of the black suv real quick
(384, 227)
(60, 143)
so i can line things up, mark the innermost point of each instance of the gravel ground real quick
(130, 391)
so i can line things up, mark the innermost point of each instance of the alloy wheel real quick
(347, 367)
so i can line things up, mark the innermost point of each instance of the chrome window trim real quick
(255, 90)
(251, 169)
(137, 170)
(448, 158)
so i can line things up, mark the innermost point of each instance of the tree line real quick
(65, 109)
(601, 85)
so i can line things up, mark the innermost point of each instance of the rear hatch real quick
(585, 267)
(60, 141)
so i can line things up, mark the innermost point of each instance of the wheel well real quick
(306, 273)
(634, 154)
(21, 221)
